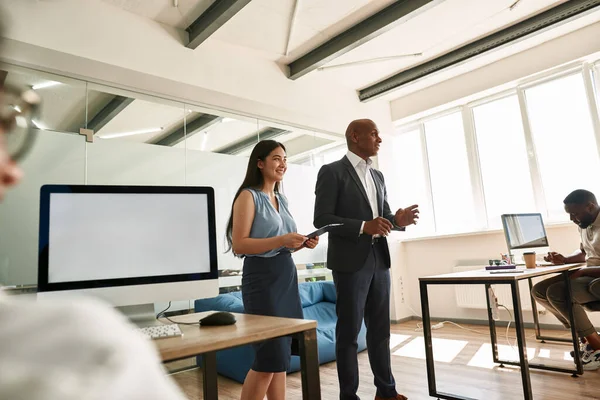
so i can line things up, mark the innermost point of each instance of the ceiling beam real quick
(212, 19)
(377, 24)
(104, 116)
(523, 30)
(241, 145)
(191, 128)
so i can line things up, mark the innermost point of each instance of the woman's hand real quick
(293, 240)
(312, 243)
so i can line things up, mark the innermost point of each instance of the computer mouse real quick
(218, 318)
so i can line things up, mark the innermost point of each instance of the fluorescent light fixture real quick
(227, 119)
(17, 109)
(45, 85)
(39, 125)
(130, 133)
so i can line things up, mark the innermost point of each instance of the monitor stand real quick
(141, 315)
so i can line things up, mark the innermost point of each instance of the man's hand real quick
(555, 258)
(312, 243)
(378, 226)
(407, 216)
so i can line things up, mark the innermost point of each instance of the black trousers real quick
(364, 294)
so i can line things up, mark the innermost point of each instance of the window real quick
(503, 159)
(484, 161)
(449, 172)
(564, 140)
(334, 154)
(408, 184)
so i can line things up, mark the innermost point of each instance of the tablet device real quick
(323, 230)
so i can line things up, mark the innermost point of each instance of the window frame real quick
(590, 71)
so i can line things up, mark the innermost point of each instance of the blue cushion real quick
(231, 302)
(310, 293)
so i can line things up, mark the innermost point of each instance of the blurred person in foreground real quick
(67, 351)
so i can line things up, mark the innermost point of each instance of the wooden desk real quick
(207, 340)
(484, 277)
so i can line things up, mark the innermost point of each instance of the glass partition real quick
(95, 134)
(133, 139)
(57, 156)
(217, 147)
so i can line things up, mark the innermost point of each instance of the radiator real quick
(473, 296)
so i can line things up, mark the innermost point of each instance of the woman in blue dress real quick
(262, 230)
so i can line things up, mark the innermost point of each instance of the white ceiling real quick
(264, 25)
(450, 25)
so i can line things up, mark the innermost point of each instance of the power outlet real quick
(494, 304)
(401, 286)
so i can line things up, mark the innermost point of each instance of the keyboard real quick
(161, 331)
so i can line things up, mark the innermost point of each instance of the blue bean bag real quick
(318, 303)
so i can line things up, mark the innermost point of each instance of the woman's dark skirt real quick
(270, 287)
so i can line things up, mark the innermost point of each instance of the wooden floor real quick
(464, 367)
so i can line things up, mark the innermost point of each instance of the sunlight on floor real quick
(444, 350)
(396, 339)
(483, 358)
(544, 353)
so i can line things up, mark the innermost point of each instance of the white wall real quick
(565, 49)
(93, 39)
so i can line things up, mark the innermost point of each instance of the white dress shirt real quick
(363, 170)
(590, 241)
(80, 350)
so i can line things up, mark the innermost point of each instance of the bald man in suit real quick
(351, 192)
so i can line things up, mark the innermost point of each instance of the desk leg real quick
(309, 365)
(536, 318)
(492, 323)
(524, 363)
(574, 335)
(427, 337)
(209, 371)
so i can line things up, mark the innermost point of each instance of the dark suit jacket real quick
(341, 198)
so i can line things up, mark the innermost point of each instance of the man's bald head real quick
(362, 138)
(358, 126)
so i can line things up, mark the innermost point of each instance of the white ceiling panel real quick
(164, 11)
(450, 25)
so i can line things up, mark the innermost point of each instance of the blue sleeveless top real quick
(268, 222)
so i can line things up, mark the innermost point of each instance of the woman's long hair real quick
(254, 178)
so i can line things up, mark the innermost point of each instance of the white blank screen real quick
(97, 236)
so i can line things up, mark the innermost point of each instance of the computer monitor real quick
(525, 232)
(129, 245)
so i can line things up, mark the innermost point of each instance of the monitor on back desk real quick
(525, 233)
(131, 246)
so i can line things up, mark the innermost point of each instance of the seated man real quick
(582, 207)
